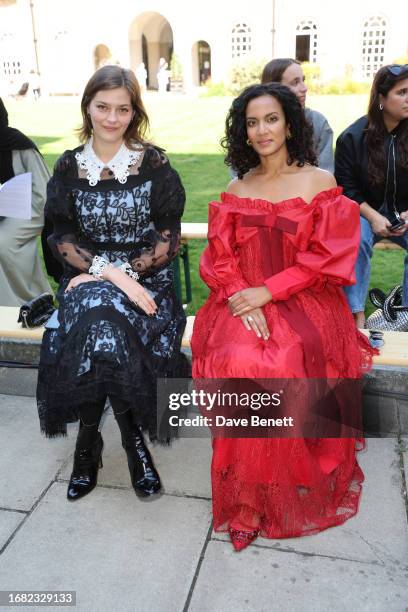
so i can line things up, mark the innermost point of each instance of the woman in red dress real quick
(282, 242)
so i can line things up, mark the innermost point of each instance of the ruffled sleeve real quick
(331, 253)
(64, 242)
(219, 264)
(161, 242)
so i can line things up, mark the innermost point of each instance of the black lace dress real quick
(99, 343)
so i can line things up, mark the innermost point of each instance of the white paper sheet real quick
(15, 197)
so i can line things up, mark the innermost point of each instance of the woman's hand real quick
(78, 280)
(255, 321)
(247, 299)
(134, 290)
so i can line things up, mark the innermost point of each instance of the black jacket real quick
(352, 174)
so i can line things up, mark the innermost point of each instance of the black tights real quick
(90, 418)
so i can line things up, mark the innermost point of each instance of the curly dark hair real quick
(377, 132)
(241, 156)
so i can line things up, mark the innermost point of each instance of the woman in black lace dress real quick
(115, 204)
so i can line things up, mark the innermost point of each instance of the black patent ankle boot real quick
(85, 471)
(143, 474)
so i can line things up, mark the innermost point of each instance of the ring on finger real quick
(249, 318)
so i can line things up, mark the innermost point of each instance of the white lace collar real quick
(119, 164)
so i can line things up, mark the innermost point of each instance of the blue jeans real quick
(357, 294)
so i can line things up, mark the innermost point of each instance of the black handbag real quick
(36, 312)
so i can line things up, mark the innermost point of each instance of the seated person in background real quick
(372, 167)
(21, 274)
(289, 72)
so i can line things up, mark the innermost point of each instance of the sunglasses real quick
(397, 69)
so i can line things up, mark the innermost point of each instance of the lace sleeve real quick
(161, 242)
(64, 241)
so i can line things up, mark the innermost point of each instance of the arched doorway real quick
(102, 56)
(201, 62)
(150, 38)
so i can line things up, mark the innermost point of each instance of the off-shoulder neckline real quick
(295, 201)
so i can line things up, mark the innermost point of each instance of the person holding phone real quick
(371, 164)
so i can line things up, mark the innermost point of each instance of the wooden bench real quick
(385, 398)
(11, 330)
(394, 352)
(195, 231)
(387, 245)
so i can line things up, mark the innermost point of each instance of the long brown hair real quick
(383, 82)
(273, 71)
(112, 77)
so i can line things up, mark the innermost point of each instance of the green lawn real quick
(190, 130)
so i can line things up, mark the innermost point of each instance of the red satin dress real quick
(303, 253)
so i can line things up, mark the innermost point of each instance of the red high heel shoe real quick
(241, 539)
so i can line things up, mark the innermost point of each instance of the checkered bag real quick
(390, 314)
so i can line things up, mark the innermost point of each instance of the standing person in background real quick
(141, 75)
(35, 84)
(163, 75)
(289, 72)
(372, 168)
(21, 274)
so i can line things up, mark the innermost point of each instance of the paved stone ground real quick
(121, 554)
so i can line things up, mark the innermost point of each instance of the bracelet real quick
(98, 266)
(127, 269)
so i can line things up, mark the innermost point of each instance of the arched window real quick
(241, 42)
(373, 47)
(306, 41)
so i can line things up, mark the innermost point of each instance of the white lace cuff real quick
(98, 266)
(127, 269)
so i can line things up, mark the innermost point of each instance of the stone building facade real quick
(65, 41)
